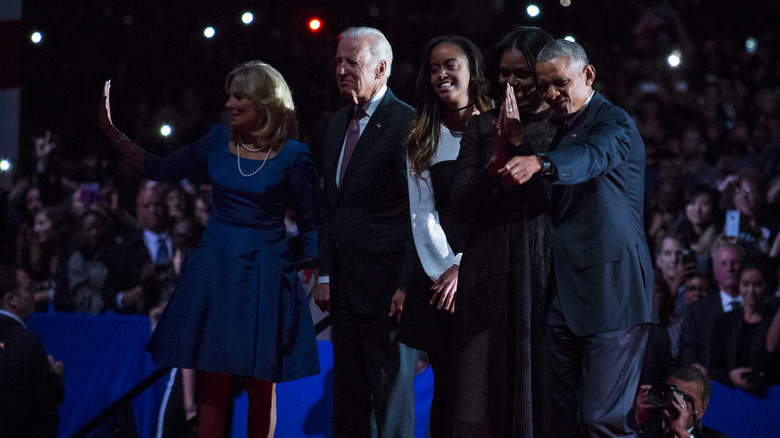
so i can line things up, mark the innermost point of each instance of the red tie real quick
(353, 134)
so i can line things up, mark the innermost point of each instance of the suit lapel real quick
(336, 143)
(378, 122)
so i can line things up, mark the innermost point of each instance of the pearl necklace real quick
(238, 158)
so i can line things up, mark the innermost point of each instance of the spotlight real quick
(751, 44)
(247, 17)
(208, 32)
(165, 130)
(36, 37)
(674, 59)
(532, 10)
(315, 24)
(5, 165)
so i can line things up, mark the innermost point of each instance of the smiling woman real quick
(241, 278)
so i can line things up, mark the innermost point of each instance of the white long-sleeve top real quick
(433, 249)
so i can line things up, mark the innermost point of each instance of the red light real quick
(315, 24)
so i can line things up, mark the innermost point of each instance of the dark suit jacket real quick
(29, 390)
(136, 269)
(699, 322)
(365, 221)
(602, 263)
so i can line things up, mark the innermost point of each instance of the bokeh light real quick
(247, 17)
(674, 59)
(5, 165)
(209, 32)
(36, 37)
(166, 130)
(315, 24)
(532, 10)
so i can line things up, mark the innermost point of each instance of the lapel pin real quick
(378, 125)
(574, 136)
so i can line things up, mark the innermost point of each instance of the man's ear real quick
(381, 69)
(590, 74)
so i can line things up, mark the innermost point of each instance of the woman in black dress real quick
(451, 88)
(497, 330)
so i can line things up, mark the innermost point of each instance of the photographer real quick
(675, 408)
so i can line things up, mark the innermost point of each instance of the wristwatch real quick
(546, 164)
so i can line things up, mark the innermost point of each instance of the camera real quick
(662, 394)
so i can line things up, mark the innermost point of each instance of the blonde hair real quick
(266, 88)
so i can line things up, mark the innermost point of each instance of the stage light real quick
(570, 38)
(315, 24)
(532, 10)
(165, 130)
(565, 3)
(36, 37)
(247, 17)
(751, 44)
(674, 59)
(5, 165)
(209, 32)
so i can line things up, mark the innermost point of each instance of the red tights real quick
(213, 392)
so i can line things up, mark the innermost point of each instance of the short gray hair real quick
(378, 46)
(563, 49)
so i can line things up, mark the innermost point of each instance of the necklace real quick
(458, 109)
(238, 159)
(241, 144)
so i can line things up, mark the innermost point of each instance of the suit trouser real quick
(372, 371)
(593, 379)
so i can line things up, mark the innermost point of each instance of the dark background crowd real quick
(74, 216)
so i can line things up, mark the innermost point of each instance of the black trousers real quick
(592, 379)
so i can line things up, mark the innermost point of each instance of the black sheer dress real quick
(503, 286)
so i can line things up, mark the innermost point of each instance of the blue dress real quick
(239, 307)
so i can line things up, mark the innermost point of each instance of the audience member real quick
(688, 391)
(31, 381)
(82, 274)
(739, 356)
(702, 221)
(701, 316)
(146, 275)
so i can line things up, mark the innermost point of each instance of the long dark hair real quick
(425, 129)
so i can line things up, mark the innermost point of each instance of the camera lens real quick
(660, 395)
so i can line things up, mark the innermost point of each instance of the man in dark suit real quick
(599, 319)
(363, 239)
(680, 418)
(145, 277)
(700, 317)
(31, 384)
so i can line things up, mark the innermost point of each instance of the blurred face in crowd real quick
(514, 70)
(44, 228)
(752, 287)
(699, 212)
(747, 198)
(564, 85)
(726, 268)
(152, 211)
(176, 203)
(695, 289)
(669, 257)
(33, 201)
(202, 209)
(450, 75)
(359, 77)
(94, 230)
